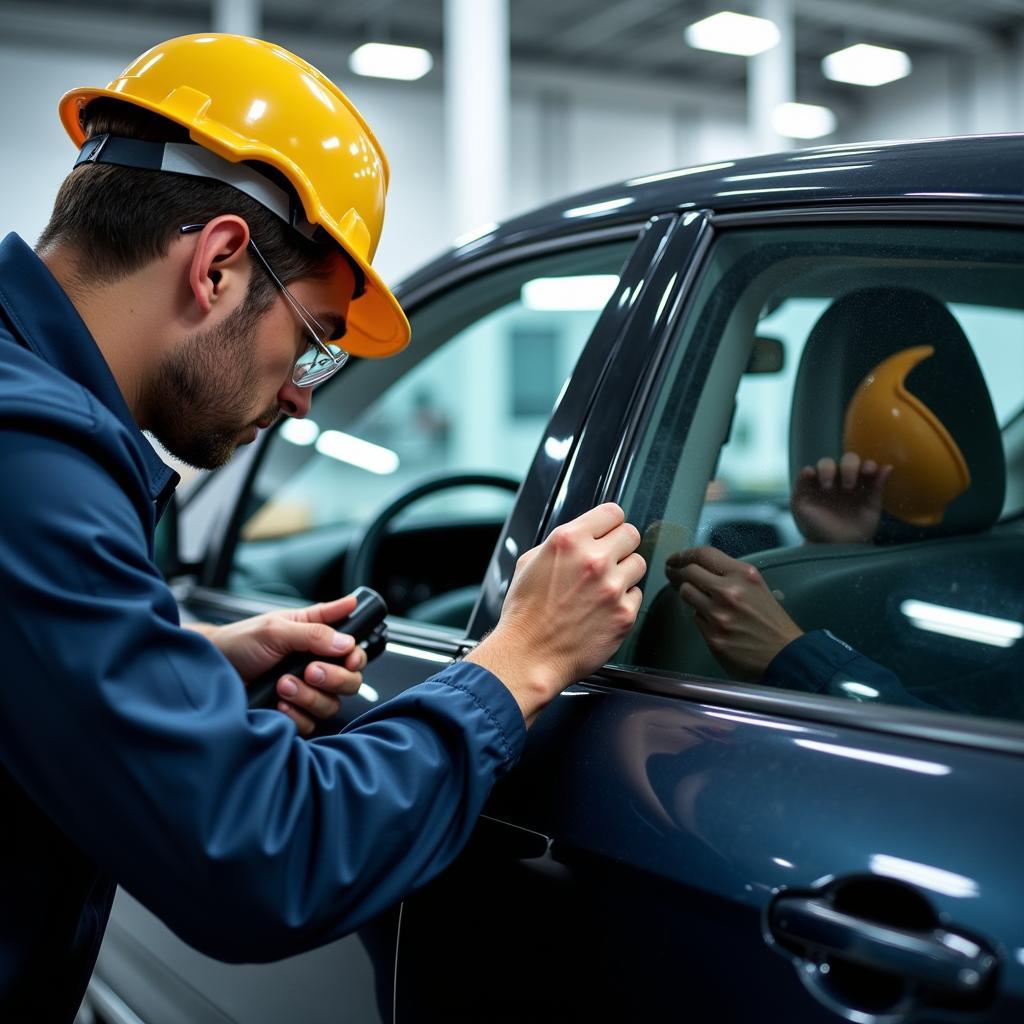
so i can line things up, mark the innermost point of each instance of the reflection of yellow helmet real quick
(246, 100)
(885, 422)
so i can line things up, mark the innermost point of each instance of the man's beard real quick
(199, 401)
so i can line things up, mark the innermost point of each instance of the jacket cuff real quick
(493, 700)
(809, 662)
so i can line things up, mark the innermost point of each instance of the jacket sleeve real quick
(133, 735)
(819, 662)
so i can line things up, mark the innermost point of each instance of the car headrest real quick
(852, 337)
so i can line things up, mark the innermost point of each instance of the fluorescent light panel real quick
(569, 294)
(385, 60)
(354, 450)
(982, 629)
(729, 32)
(864, 64)
(803, 120)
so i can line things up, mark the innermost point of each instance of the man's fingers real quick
(707, 557)
(826, 473)
(878, 484)
(701, 578)
(316, 637)
(329, 611)
(849, 470)
(334, 678)
(356, 661)
(696, 599)
(599, 521)
(622, 541)
(632, 570)
(308, 698)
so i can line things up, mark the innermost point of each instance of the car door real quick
(820, 845)
(424, 455)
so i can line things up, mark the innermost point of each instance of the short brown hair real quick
(120, 218)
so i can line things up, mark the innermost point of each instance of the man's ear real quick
(219, 269)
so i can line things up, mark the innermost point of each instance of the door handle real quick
(935, 958)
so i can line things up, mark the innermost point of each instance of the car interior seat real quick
(862, 592)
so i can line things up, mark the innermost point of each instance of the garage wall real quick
(961, 95)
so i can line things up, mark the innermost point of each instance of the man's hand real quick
(839, 505)
(255, 645)
(571, 603)
(741, 622)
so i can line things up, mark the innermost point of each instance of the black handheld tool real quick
(365, 624)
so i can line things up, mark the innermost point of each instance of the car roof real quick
(966, 168)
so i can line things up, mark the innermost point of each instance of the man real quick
(208, 261)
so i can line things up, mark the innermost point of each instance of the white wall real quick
(948, 95)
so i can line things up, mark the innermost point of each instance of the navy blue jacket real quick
(819, 662)
(127, 753)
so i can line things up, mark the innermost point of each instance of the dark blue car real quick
(676, 845)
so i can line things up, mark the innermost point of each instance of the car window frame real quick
(217, 566)
(936, 725)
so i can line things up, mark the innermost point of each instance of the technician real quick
(208, 260)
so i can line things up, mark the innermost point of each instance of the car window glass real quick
(471, 393)
(904, 347)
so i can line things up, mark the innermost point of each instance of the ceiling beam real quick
(900, 25)
(599, 28)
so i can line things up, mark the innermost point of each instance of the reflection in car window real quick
(893, 576)
(472, 392)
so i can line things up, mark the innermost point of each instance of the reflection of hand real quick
(571, 603)
(257, 644)
(839, 505)
(741, 622)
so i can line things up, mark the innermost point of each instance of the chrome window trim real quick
(979, 212)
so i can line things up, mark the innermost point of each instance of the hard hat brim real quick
(377, 326)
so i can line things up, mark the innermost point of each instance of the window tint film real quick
(835, 506)
(471, 393)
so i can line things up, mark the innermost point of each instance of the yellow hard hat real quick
(885, 422)
(243, 99)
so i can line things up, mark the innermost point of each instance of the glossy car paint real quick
(626, 869)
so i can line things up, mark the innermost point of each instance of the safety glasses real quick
(322, 357)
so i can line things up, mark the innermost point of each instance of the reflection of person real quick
(745, 627)
(909, 466)
(225, 206)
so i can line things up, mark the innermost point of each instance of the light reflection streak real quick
(909, 764)
(763, 722)
(927, 877)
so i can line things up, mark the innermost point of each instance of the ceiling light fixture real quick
(385, 60)
(864, 64)
(803, 120)
(729, 32)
